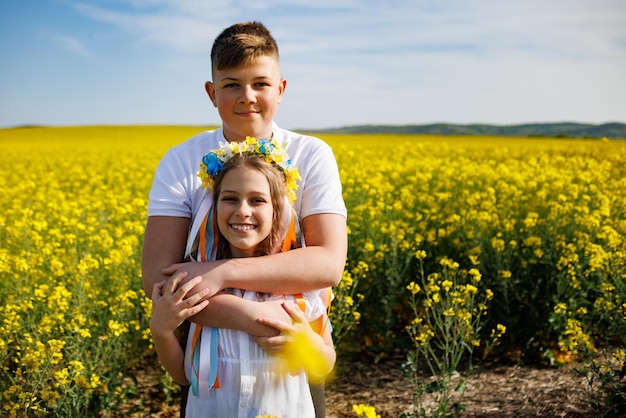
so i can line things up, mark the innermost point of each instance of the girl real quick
(233, 374)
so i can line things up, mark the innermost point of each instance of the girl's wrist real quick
(161, 334)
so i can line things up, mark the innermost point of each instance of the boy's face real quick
(247, 98)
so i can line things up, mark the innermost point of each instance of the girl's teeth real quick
(243, 227)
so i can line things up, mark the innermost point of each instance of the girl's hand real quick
(287, 331)
(299, 345)
(170, 304)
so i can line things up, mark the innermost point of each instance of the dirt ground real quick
(493, 391)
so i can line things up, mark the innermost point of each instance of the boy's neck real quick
(230, 138)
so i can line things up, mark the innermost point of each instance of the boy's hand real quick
(170, 306)
(209, 287)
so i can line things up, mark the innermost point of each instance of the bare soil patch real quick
(499, 390)
(492, 391)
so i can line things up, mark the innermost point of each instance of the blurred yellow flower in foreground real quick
(301, 354)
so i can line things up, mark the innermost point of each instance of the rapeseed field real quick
(541, 222)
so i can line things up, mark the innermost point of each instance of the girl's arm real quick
(230, 311)
(169, 310)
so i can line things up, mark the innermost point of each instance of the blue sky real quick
(347, 62)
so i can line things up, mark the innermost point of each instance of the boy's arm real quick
(165, 240)
(318, 265)
(164, 243)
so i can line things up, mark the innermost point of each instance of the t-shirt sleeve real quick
(169, 195)
(322, 191)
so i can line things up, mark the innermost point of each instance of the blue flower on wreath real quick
(214, 165)
(265, 146)
(273, 152)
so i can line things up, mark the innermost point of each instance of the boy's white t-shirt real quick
(177, 189)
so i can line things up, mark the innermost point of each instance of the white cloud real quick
(570, 28)
(71, 44)
(177, 29)
(369, 61)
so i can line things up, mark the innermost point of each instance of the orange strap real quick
(318, 324)
(291, 238)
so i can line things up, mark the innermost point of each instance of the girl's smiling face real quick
(244, 210)
(247, 98)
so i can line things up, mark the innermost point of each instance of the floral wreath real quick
(213, 162)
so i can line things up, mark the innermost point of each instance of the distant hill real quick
(558, 130)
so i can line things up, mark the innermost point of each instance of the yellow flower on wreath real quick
(270, 149)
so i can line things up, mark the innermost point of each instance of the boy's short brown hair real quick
(242, 43)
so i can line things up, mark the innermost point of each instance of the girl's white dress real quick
(251, 381)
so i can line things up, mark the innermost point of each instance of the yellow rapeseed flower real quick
(62, 377)
(365, 411)
(414, 288)
(470, 289)
(475, 274)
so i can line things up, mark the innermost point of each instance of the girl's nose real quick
(243, 210)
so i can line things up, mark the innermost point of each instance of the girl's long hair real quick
(278, 195)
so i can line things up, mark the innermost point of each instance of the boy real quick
(246, 90)
(251, 188)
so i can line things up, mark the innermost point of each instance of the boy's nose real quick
(247, 94)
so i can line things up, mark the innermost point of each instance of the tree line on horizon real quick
(614, 130)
